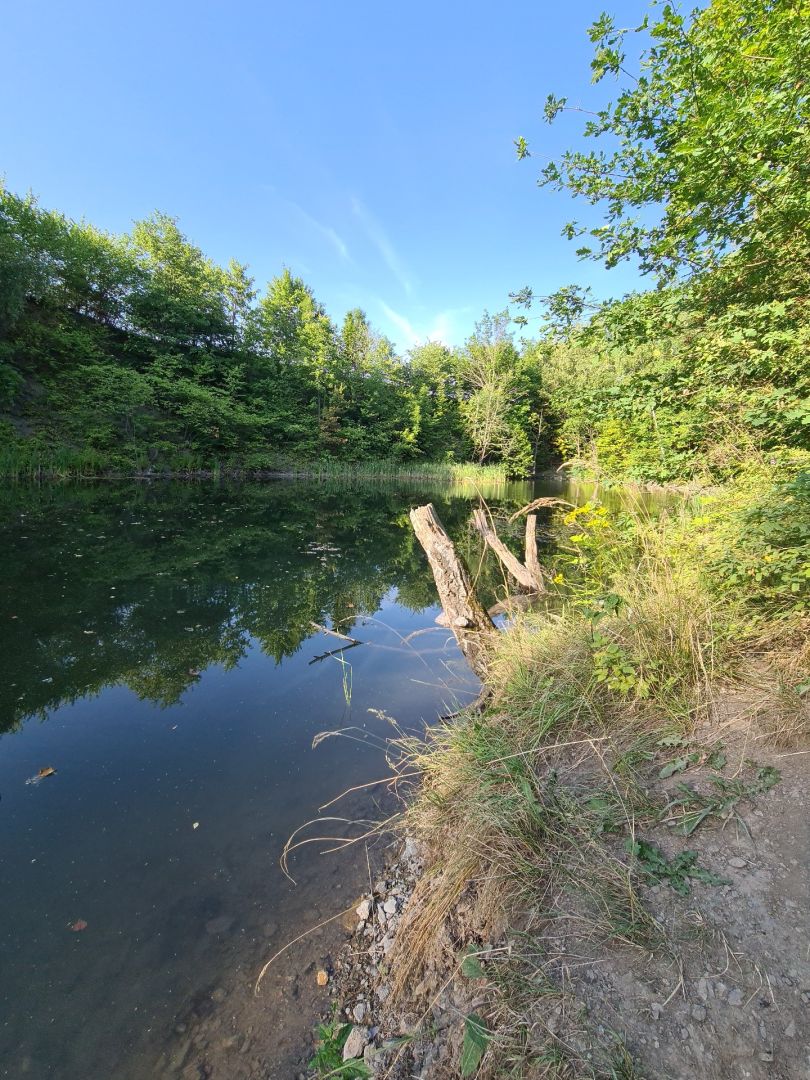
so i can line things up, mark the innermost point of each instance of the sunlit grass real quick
(22, 461)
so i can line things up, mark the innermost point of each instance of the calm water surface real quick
(159, 653)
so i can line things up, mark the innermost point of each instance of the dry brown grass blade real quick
(369, 784)
(295, 941)
(341, 841)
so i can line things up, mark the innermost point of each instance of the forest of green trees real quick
(138, 350)
(121, 353)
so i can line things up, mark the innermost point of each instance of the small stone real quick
(411, 850)
(766, 1055)
(322, 978)
(698, 1013)
(790, 1030)
(364, 910)
(355, 1044)
(390, 906)
(656, 1010)
(359, 1011)
(737, 862)
(735, 997)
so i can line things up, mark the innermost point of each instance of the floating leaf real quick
(48, 770)
(80, 924)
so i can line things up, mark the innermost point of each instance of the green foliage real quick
(501, 402)
(699, 173)
(143, 350)
(612, 666)
(476, 1040)
(704, 150)
(328, 1058)
(470, 964)
(690, 808)
(761, 544)
(676, 872)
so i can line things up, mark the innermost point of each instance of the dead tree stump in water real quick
(532, 561)
(466, 616)
(522, 574)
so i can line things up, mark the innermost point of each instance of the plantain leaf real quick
(476, 1039)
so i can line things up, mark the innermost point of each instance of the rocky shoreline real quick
(389, 1038)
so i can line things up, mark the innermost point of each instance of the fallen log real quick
(522, 575)
(471, 625)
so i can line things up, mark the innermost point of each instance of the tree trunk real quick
(472, 627)
(513, 565)
(532, 561)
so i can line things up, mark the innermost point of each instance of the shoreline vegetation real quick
(591, 811)
(63, 466)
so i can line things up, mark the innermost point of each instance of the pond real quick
(162, 654)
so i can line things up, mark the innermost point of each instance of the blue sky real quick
(367, 146)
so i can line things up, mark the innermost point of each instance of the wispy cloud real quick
(334, 237)
(378, 237)
(442, 328)
(405, 327)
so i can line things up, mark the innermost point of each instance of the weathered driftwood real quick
(522, 575)
(335, 633)
(546, 500)
(532, 561)
(466, 617)
(335, 652)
